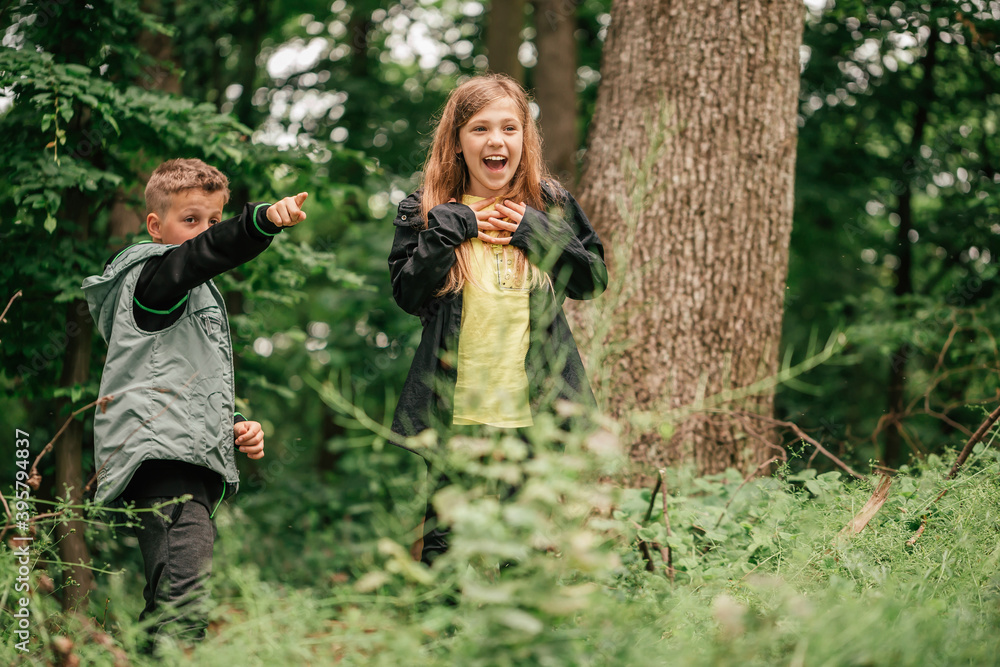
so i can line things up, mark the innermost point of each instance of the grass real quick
(760, 577)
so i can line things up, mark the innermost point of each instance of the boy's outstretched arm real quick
(166, 280)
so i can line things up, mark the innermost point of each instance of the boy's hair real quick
(446, 174)
(182, 174)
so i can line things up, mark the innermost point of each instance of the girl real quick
(484, 253)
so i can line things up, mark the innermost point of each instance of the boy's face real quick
(191, 212)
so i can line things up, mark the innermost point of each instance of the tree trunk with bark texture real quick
(503, 37)
(68, 451)
(555, 84)
(709, 257)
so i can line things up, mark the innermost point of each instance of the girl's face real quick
(491, 144)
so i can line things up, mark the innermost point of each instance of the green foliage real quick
(312, 562)
(552, 575)
(894, 218)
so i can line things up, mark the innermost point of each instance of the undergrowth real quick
(554, 575)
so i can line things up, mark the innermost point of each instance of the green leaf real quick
(74, 68)
(50, 223)
(520, 620)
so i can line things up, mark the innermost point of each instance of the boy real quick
(170, 428)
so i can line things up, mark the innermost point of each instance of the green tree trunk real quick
(503, 37)
(555, 84)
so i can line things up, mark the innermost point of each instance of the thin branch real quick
(648, 557)
(802, 434)
(4, 313)
(10, 517)
(912, 441)
(336, 400)
(951, 336)
(652, 498)
(666, 552)
(959, 462)
(756, 435)
(34, 477)
(976, 437)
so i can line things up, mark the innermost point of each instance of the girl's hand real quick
(494, 222)
(250, 439)
(512, 210)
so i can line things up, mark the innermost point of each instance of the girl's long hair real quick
(446, 175)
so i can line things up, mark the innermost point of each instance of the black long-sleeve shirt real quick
(160, 300)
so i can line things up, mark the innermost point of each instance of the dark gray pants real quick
(177, 560)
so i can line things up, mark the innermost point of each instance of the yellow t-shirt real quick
(492, 385)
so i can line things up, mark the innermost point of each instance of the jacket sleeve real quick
(165, 280)
(421, 258)
(564, 242)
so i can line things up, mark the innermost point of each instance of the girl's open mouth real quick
(495, 162)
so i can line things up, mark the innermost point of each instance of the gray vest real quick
(172, 390)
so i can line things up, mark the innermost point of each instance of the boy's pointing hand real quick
(250, 439)
(288, 212)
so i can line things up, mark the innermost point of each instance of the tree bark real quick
(68, 460)
(555, 84)
(503, 37)
(702, 285)
(249, 40)
(158, 76)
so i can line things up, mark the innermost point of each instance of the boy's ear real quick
(153, 227)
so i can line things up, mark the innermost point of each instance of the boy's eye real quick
(189, 219)
(213, 221)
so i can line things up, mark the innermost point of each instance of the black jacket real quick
(560, 240)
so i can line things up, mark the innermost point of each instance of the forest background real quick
(889, 259)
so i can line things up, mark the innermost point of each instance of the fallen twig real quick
(920, 531)
(874, 504)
